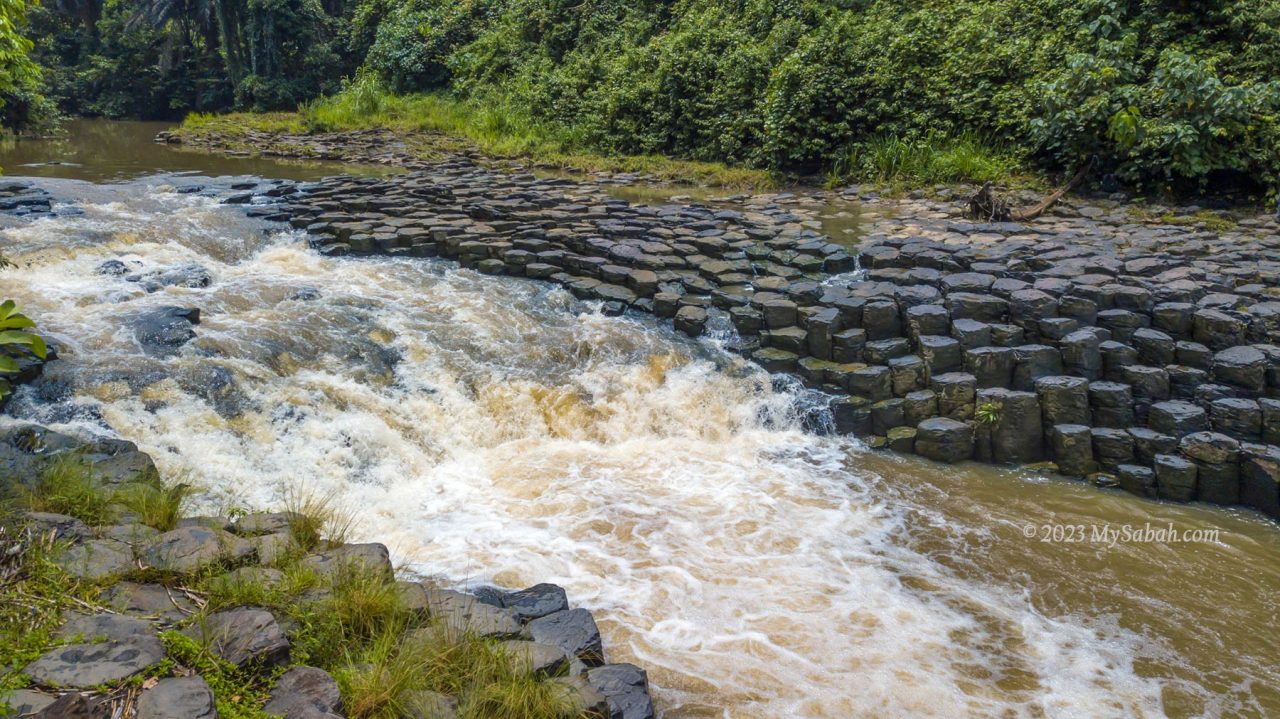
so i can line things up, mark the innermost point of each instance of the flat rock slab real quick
(304, 693)
(574, 631)
(461, 614)
(95, 559)
(83, 666)
(149, 600)
(24, 702)
(177, 698)
(96, 627)
(243, 635)
(191, 549)
(359, 557)
(272, 523)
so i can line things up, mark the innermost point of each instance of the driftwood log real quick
(986, 206)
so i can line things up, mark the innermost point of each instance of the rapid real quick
(498, 431)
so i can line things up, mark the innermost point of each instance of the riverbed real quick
(496, 430)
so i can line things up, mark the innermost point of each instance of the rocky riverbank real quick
(220, 616)
(1135, 346)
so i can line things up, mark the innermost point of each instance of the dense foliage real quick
(162, 58)
(1168, 93)
(20, 100)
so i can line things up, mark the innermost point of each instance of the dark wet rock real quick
(1175, 478)
(304, 693)
(189, 276)
(1217, 330)
(1111, 404)
(163, 331)
(1238, 418)
(1112, 447)
(1071, 446)
(1147, 443)
(1217, 471)
(1082, 354)
(887, 414)
(1064, 400)
(112, 268)
(1031, 362)
(1018, 436)
(1137, 479)
(626, 687)
(537, 601)
(691, 320)
(957, 392)
(1244, 367)
(990, 366)
(572, 630)
(177, 698)
(919, 405)
(240, 636)
(944, 440)
(901, 439)
(1260, 479)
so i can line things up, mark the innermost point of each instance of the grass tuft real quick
(318, 516)
(69, 486)
(157, 507)
(932, 159)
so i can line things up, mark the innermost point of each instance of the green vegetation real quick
(353, 622)
(1165, 94)
(17, 342)
(934, 158)
(70, 486)
(21, 102)
(988, 413)
(67, 486)
(1168, 95)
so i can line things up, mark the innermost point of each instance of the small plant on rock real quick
(16, 341)
(988, 413)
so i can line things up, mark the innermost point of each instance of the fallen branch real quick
(985, 205)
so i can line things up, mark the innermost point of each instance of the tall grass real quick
(69, 486)
(935, 158)
(491, 123)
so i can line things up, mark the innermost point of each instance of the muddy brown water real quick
(497, 430)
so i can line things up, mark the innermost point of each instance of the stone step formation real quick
(107, 645)
(1141, 356)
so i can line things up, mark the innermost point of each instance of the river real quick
(495, 430)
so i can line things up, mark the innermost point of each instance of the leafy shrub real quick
(16, 341)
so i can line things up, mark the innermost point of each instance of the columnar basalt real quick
(1112, 346)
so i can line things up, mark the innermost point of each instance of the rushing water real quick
(496, 430)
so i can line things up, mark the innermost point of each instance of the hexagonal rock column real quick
(944, 440)
(1217, 472)
(1018, 436)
